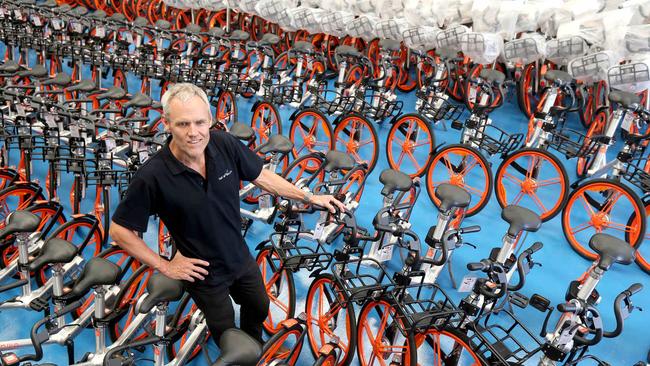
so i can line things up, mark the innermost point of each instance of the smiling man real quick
(192, 184)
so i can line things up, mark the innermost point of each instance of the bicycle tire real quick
(466, 156)
(588, 194)
(540, 163)
(304, 133)
(282, 300)
(407, 125)
(352, 133)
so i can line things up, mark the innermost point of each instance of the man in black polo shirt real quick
(192, 184)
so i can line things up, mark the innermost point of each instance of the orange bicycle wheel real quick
(379, 335)
(310, 131)
(459, 165)
(330, 318)
(265, 121)
(535, 179)
(355, 135)
(226, 108)
(279, 287)
(284, 347)
(445, 347)
(603, 206)
(410, 137)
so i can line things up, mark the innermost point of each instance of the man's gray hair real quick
(183, 92)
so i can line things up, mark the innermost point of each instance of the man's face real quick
(189, 124)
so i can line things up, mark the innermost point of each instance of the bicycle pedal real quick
(539, 302)
(519, 300)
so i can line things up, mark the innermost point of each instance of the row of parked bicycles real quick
(52, 117)
(532, 171)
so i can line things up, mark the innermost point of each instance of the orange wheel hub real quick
(529, 186)
(457, 180)
(600, 221)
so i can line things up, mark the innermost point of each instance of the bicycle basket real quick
(450, 37)
(248, 6)
(391, 29)
(332, 102)
(362, 27)
(633, 77)
(420, 38)
(494, 140)
(335, 23)
(482, 48)
(524, 50)
(359, 278)
(502, 339)
(438, 108)
(561, 50)
(422, 306)
(572, 143)
(592, 67)
(307, 18)
(294, 255)
(378, 106)
(637, 172)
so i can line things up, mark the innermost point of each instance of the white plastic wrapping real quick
(636, 40)
(391, 28)
(248, 6)
(531, 14)
(363, 27)
(450, 38)
(495, 17)
(387, 9)
(274, 10)
(335, 23)
(604, 30)
(180, 4)
(529, 48)
(482, 48)
(550, 20)
(420, 38)
(457, 12)
(561, 50)
(631, 77)
(430, 13)
(592, 67)
(307, 19)
(215, 5)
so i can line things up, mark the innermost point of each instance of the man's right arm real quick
(179, 268)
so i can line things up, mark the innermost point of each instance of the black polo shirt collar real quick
(174, 165)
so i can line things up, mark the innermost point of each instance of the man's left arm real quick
(278, 186)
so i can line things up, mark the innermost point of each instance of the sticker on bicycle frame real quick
(77, 27)
(36, 20)
(627, 121)
(318, 231)
(467, 285)
(74, 131)
(128, 37)
(57, 24)
(50, 120)
(110, 144)
(472, 94)
(20, 110)
(100, 32)
(143, 155)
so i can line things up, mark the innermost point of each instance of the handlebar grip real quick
(535, 247)
(634, 289)
(470, 229)
(476, 266)
(567, 308)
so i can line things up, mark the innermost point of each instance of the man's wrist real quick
(306, 198)
(161, 264)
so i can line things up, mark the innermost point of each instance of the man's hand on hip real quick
(184, 268)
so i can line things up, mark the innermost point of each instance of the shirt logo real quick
(227, 173)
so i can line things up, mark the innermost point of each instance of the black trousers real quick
(247, 290)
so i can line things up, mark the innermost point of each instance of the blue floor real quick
(560, 263)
